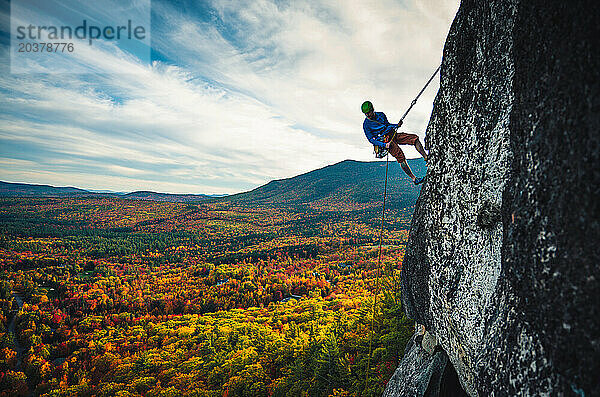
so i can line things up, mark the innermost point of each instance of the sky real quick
(232, 94)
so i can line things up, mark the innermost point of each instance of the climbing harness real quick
(381, 152)
(377, 282)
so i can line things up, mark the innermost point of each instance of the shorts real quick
(400, 138)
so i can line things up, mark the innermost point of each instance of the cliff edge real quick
(502, 264)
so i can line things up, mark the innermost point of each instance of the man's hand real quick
(387, 145)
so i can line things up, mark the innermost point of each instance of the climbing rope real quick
(377, 282)
(414, 101)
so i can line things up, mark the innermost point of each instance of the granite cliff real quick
(502, 264)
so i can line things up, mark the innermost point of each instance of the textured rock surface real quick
(418, 373)
(424, 374)
(502, 261)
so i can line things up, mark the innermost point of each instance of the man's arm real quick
(390, 124)
(371, 136)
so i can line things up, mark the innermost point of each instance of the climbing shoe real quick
(418, 181)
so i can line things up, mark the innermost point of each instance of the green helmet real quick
(366, 107)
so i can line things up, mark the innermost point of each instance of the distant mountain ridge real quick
(347, 185)
(26, 189)
(30, 190)
(148, 195)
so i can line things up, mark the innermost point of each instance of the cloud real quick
(241, 93)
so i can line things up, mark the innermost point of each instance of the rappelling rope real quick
(414, 101)
(377, 283)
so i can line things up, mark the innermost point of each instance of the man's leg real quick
(420, 149)
(399, 155)
(406, 169)
(403, 138)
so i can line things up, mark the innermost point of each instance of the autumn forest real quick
(115, 297)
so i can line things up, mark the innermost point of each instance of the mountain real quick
(342, 186)
(25, 189)
(30, 190)
(105, 191)
(348, 185)
(176, 198)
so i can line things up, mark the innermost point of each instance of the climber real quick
(379, 132)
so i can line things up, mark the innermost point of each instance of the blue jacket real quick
(375, 130)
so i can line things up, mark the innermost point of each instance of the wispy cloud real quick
(240, 93)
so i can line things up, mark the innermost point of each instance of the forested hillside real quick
(345, 186)
(348, 185)
(119, 297)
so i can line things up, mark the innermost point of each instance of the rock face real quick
(503, 260)
(416, 372)
(424, 373)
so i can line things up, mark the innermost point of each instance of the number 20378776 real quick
(46, 47)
